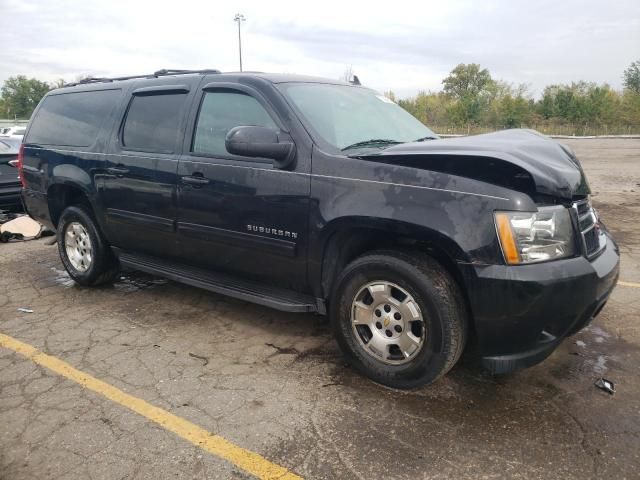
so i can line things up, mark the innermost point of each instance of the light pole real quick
(239, 18)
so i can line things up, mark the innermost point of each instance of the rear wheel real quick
(83, 250)
(399, 317)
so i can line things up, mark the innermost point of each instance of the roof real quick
(270, 77)
(289, 77)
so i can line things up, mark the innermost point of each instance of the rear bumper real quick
(522, 313)
(37, 206)
(10, 197)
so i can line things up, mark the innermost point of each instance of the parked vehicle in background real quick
(10, 186)
(17, 131)
(313, 195)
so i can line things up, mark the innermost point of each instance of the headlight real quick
(528, 237)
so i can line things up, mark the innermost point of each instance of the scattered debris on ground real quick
(283, 350)
(25, 310)
(20, 229)
(5, 216)
(200, 357)
(51, 241)
(606, 385)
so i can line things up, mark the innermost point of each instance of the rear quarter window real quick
(72, 119)
(152, 122)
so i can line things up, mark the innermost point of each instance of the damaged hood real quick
(520, 159)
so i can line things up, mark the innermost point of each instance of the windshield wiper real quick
(422, 139)
(371, 143)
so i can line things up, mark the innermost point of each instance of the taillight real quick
(21, 165)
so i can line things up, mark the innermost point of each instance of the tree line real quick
(20, 95)
(471, 101)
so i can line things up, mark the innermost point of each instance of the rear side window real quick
(152, 122)
(220, 112)
(72, 119)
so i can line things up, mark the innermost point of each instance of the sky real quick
(401, 46)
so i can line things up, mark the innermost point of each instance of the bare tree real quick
(58, 83)
(347, 76)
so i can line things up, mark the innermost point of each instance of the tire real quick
(100, 266)
(439, 322)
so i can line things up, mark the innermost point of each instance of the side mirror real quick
(253, 141)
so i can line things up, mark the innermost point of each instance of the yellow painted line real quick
(248, 461)
(628, 284)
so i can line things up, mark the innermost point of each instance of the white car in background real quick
(16, 131)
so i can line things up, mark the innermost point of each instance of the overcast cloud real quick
(403, 46)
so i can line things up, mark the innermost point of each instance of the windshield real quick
(348, 116)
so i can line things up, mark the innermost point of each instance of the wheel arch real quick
(351, 238)
(348, 238)
(64, 193)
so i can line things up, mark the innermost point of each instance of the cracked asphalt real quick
(275, 383)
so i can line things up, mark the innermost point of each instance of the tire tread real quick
(448, 290)
(106, 267)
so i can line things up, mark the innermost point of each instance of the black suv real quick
(313, 195)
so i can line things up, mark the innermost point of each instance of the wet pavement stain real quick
(134, 281)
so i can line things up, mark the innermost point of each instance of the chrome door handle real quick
(195, 180)
(118, 170)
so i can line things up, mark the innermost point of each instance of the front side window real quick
(220, 112)
(152, 122)
(344, 115)
(71, 119)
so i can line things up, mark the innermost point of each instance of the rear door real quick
(139, 186)
(238, 214)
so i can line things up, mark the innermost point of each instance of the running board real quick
(228, 285)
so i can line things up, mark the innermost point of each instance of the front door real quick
(236, 214)
(139, 185)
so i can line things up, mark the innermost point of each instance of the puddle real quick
(599, 332)
(62, 278)
(127, 282)
(600, 365)
(134, 281)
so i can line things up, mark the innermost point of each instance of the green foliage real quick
(470, 89)
(20, 95)
(630, 108)
(473, 101)
(631, 77)
(580, 103)
(467, 81)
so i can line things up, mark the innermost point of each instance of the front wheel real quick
(83, 250)
(399, 317)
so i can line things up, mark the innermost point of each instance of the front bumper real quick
(522, 313)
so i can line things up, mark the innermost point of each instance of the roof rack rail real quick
(170, 71)
(158, 73)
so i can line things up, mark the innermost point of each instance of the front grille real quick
(592, 237)
(583, 207)
(591, 241)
